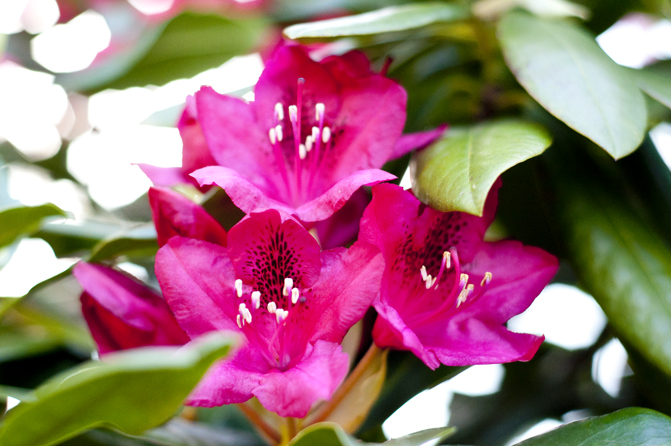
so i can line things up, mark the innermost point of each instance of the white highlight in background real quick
(12, 402)
(539, 428)
(567, 316)
(637, 40)
(72, 46)
(33, 262)
(661, 137)
(609, 366)
(430, 408)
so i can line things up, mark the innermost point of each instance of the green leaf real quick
(393, 18)
(632, 426)
(456, 172)
(331, 434)
(138, 241)
(624, 265)
(25, 220)
(655, 82)
(132, 391)
(562, 67)
(69, 239)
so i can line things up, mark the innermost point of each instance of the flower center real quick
(266, 327)
(307, 153)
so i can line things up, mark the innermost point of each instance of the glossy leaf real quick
(562, 67)
(331, 434)
(139, 241)
(625, 266)
(627, 427)
(456, 172)
(132, 391)
(25, 220)
(655, 82)
(393, 18)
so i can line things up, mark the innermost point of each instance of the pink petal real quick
(197, 279)
(416, 141)
(195, 151)
(174, 214)
(123, 313)
(166, 176)
(343, 226)
(353, 64)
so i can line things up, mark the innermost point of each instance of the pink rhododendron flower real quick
(446, 295)
(123, 313)
(292, 304)
(315, 133)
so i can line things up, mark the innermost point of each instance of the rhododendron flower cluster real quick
(291, 159)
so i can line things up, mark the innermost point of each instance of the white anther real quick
(448, 258)
(326, 135)
(279, 133)
(272, 307)
(422, 271)
(462, 297)
(308, 143)
(238, 287)
(281, 315)
(242, 307)
(279, 111)
(272, 135)
(293, 113)
(469, 289)
(486, 279)
(247, 315)
(237, 319)
(319, 110)
(288, 285)
(302, 151)
(256, 299)
(295, 294)
(463, 280)
(315, 133)
(429, 281)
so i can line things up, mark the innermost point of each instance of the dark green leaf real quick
(69, 239)
(627, 427)
(393, 18)
(456, 172)
(331, 434)
(139, 241)
(624, 265)
(25, 220)
(562, 67)
(132, 391)
(655, 82)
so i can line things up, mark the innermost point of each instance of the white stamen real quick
(237, 319)
(272, 135)
(486, 279)
(295, 294)
(242, 307)
(308, 143)
(429, 281)
(288, 285)
(272, 307)
(433, 282)
(293, 113)
(448, 259)
(279, 111)
(463, 280)
(238, 287)
(256, 299)
(462, 297)
(326, 135)
(302, 151)
(247, 315)
(319, 110)
(422, 271)
(278, 131)
(281, 315)
(315, 133)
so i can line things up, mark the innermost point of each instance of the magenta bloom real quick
(446, 295)
(316, 132)
(123, 313)
(290, 302)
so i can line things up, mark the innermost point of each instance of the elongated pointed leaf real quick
(456, 172)
(655, 82)
(627, 427)
(138, 241)
(331, 434)
(393, 18)
(625, 266)
(25, 220)
(132, 391)
(562, 67)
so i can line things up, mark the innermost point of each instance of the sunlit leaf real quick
(331, 434)
(655, 82)
(132, 391)
(562, 67)
(627, 427)
(25, 220)
(393, 18)
(138, 241)
(456, 172)
(626, 267)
